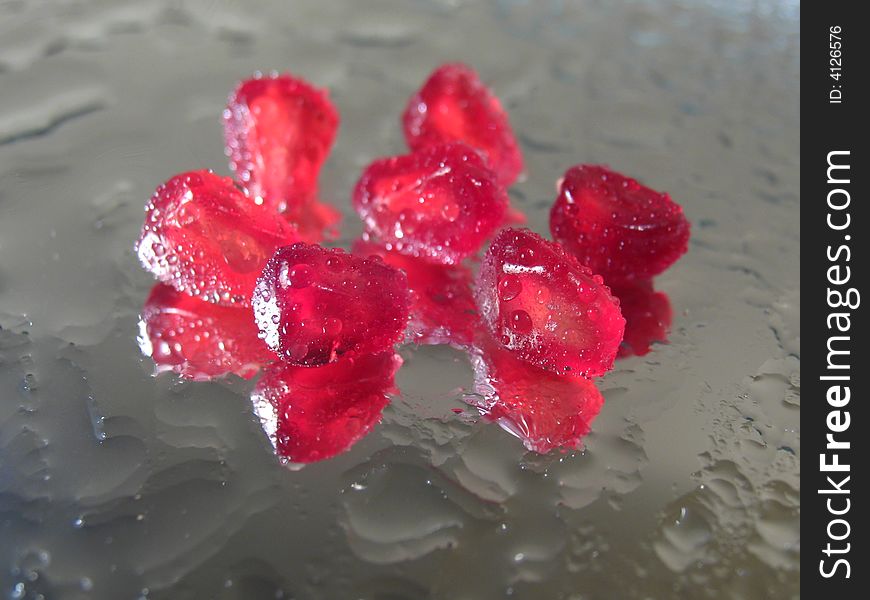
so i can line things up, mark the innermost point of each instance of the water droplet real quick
(297, 352)
(299, 276)
(450, 211)
(526, 255)
(332, 326)
(509, 287)
(520, 321)
(585, 293)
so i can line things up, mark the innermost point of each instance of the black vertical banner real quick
(834, 174)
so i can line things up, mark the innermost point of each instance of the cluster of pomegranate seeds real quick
(540, 303)
(439, 203)
(314, 305)
(198, 339)
(279, 130)
(542, 409)
(615, 226)
(314, 414)
(455, 105)
(247, 286)
(442, 304)
(206, 238)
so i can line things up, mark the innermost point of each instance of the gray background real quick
(116, 484)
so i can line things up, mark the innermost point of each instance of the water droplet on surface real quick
(509, 287)
(520, 321)
(332, 326)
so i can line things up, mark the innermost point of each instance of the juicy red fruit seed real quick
(540, 303)
(197, 339)
(439, 203)
(454, 105)
(616, 226)
(442, 303)
(314, 305)
(206, 238)
(279, 130)
(542, 409)
(314, 414)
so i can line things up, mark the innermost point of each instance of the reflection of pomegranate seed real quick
(539, 302)
(311, 414)
(206, 238)
(647, 315)
(439, 204)
(314, 305)
(454, 105)
(615, 226)
(442, 305)
(198, 339)
(544, 410)
(279, 131)
(316, 222)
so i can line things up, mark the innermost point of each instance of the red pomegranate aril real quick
(540, 303)
(442, 303)
(312, 414)
(279, 130)
(204, 237)
(314, 305)
(455, 105)
(439, 203)
(197, 339)
(617, 227)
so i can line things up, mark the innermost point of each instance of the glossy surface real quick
(439, 203)
(118, 484)
(616, 226)
(315, 305)
(544, 410)
(197, 339)
(648, 316)
(279, 130)
(205, 237)
(455, 105)
(442, 303)
(539, 303)
(313, 413)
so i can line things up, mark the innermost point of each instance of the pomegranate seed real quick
(454, 105)
(439, 203)
(617, 227)
(540, 303)
(206, 238)
(442, 304)
(279, 130)
(314, 305)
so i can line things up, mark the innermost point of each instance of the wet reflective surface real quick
(116, 483)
